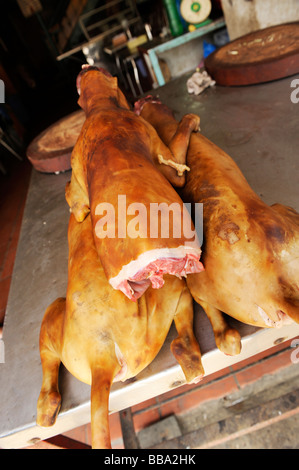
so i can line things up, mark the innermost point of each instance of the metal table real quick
(258, 127)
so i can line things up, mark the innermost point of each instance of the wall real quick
(245, 16)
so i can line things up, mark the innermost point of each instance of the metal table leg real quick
(127, 426)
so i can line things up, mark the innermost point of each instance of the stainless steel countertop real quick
(257, 126)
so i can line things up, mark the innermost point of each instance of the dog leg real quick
(180, 141)
(49, 400)
(227, 339)
(185, 347)
(172, 155)
(102, 378)
(77, 199)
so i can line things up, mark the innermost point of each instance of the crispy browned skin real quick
(95, 324)
(250, 250)
(117, 154)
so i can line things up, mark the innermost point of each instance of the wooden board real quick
(262, 56)
(50, 151)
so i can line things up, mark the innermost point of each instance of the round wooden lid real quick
(51, 150)
(261, 56)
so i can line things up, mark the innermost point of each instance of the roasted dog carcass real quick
(102, 337)
(114, 177)
(250, 250)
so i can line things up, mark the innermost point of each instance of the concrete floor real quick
(263, 415)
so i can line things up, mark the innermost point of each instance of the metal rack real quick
(126, 16)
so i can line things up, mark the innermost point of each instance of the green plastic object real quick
(176, 27)
(203, 23)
